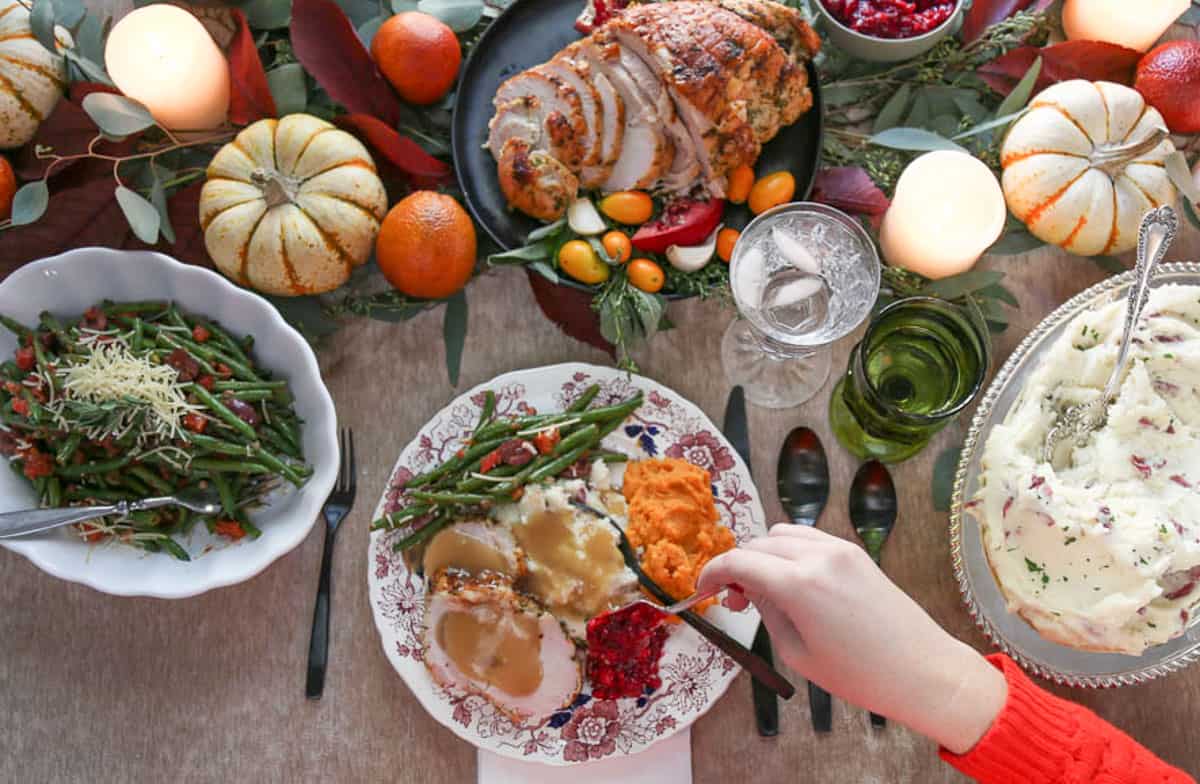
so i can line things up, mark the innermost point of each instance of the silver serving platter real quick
(981, 594)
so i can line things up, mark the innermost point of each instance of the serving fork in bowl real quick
(31, 521)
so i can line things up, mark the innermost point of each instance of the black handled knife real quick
(766, 706)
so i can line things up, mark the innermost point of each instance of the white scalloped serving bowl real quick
(980, 592)
(68, 284)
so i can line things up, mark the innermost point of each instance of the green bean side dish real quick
(138, 399)
(502, 456)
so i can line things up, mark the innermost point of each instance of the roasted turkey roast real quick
(668, 97)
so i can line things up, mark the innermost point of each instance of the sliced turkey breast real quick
(646, 150)
(785, 24)
(563, 122)
(577, 76)
(535, 182)
(612, 132)
(518, 118)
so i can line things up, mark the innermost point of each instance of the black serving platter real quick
(530, 32)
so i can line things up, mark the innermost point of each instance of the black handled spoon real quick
(873, 510)
(802, 478)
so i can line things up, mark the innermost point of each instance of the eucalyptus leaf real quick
(89, 39)
(367, 30)
(306, 314)
(998, 292)
(41, 21)
(962, 284)
(889, 116)
(536, 251)
(944, 469)
(990, 125)
(117, 115)
(1190, 213)
(400, 6)
(454, 332)
(1015, 241)
(289, 88)
(1022, 92)
(1181, 176)
(30, 202)
(545, 270)
(360, 11)
(158, 197)
(842, 95)
(918, 116)
(69, 13)
(971, 108)
(650, 308)
(913, 139)
(542, 232)
(142, 216)
(268, 14)
(459, 15)
(945, 125)
(90, 69)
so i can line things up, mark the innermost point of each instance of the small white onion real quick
(583, 218)
(695, 257)
(795, 252)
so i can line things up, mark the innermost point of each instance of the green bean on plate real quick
(135, 399)
(501, 457)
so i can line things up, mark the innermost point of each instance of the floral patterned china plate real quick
(694, 673)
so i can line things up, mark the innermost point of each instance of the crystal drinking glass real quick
(803, 275)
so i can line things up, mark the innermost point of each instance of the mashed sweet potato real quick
(674, 520)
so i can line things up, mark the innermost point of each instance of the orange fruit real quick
(419, 54)
(8, 187)
(578, 259)
(771, 191)
(426, 246)
(740, 181)
(646, 275)
(618, 245)
(629, 207)
(726, 239)
(1168, 77)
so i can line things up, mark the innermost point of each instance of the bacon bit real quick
(91, 533)
(12, 386)
(518, 493)
(1007, 505)
(1180, 592)
(20, 406)
(1168, 338)
(1179, 480)
(37, 464)
(1146, 422)
(207, 381)
(1142, 467)
(195, 423)
(460, 453)
(222, 370)
(516, 452)
(94, 318)
(230, 529)
(546, 440)
(243, 411)
(187, 368)
(200, 334)
(26, 359)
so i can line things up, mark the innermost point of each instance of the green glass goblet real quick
(921, 362)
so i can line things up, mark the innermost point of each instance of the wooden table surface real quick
(102, 689)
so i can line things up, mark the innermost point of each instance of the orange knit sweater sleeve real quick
(1041, 739)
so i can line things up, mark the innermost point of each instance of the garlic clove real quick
(795, 252)
(584, 219)
(694, 257)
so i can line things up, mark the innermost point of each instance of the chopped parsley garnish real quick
(1031, 566)
(1070, 540)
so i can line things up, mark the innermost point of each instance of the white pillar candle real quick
(163, 57)
(1136, 24)
(947, 210)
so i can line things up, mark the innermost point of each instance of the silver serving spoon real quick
(1158, 230)
(30, 521)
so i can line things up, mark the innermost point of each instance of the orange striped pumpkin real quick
(291, 206)
(1082, 166)
(31, 78)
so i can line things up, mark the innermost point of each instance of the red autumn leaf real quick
(68, 130)
(849, 188)
(327, 46)
(571, 311)
(183, 208)
(83, 211)
(1091, 60)
(399, 150)
(250, 97)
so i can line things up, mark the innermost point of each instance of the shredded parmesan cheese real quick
(112, 373)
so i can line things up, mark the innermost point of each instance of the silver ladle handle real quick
(1159, 228)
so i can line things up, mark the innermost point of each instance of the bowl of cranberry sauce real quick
(889, 30)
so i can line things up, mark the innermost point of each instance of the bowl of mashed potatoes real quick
(1088, 573)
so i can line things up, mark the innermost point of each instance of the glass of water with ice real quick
(803, 275)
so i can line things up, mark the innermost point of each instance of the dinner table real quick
(101, 688)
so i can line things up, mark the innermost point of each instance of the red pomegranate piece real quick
(890, 18)
(624, 648)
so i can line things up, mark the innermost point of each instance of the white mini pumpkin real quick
(1085, 164)
(291, 206)
(32, 79)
